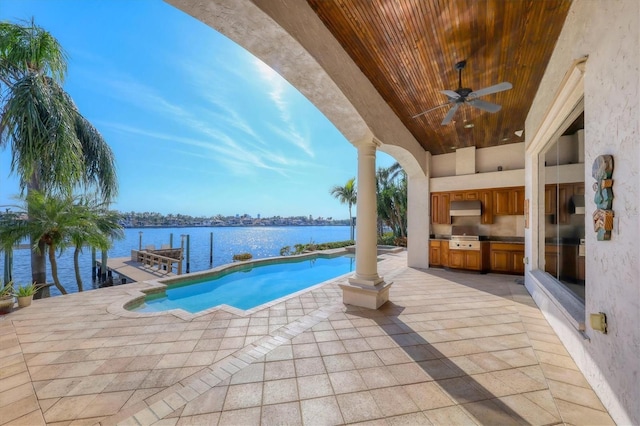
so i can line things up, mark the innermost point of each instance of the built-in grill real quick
(464, 238)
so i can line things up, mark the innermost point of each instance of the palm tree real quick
(53, 147)
(346, 194)
(391, 186)
(98, 228)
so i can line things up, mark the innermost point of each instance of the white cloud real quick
(277, 91)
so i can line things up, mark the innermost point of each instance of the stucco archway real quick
(292, 40)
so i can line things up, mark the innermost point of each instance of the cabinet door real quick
(565, 192)
(578, 188)
(500, 261)
(502, 201)
(471, 195)
(550, 199)
(551, 260)
(444, 253)
(486, 198)
(445, 215)
(434, 254)
(517, 264)
(517, 197)
(457, 196)
(473, 260)
(435, 208)
(581, 273)
(456, 259)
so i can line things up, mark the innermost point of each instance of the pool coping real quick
(137, 296)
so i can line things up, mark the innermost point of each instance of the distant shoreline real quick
(229, 226)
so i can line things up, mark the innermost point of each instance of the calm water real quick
(250, 286)
(261, 242)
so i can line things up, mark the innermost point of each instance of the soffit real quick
(408, 48)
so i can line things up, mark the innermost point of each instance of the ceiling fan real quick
(466, 95)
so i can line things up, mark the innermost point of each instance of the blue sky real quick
(197, 124)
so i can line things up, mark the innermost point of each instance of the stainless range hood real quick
(577, 203)
(465, 208)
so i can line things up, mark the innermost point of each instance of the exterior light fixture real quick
(469, 126)
(599, 322)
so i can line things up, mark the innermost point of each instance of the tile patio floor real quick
(450, 348)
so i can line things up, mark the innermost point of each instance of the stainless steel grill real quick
(464, 238)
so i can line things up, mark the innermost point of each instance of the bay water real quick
(261, 242)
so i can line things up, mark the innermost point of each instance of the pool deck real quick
(449, 348)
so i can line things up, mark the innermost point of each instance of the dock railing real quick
(162, 260)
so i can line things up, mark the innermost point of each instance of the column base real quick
(365, 296)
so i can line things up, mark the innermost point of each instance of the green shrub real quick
(25, 290)
(242, 257)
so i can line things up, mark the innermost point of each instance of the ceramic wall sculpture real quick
(602, 171)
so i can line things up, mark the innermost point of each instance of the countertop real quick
(514, 240)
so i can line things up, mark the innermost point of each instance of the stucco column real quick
(366, 288)
(418, 222)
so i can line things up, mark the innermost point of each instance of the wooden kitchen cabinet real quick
(507, 258)
(472, 260)
(550, 199)
(551, 259)
(486, 199)
(508, 201)
(565, 192)
(440, 202)
(435, 254)
(444, 253)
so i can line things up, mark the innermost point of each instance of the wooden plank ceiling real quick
(408, 49)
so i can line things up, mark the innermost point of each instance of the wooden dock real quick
(134, 271)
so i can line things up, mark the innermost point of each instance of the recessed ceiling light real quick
(505, 139)
(453, 147)
(518, 133)
(468, 126)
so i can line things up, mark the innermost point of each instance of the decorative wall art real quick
(602, 170)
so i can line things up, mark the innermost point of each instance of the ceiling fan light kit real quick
(466, 95)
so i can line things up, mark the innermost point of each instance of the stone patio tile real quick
(339, 362)
(331, 348)
(68, 408)
(450, 416)
(279, 391)
(314, 386)
(394, 401)
(365, 359)
(377, 377)
(198, 420)
(309, 366)
(243, 396)
(575, 395)
(126, 381)
(174, 360)
(209, 402)
(305, 350)
(409, 373)
(531, 412)
(14, 381)
(464, 389)
(347, 381)
(14, 394)
(247, 416)
(517, 357)
(358, 407)
(279, 370)
(252, 373)
(281, 353)
(106, 404)
(321, 411)
(34, 418)
(428, 395)
(283, 414)
(575, 414)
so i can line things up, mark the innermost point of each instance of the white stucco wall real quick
(606, 31)
(509, 157)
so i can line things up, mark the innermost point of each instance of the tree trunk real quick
(54, 269)
(38, 257)
(350, 224)
(76, 267)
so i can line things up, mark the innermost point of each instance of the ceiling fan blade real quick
(451, 94)
(430, 109)
(484, 105)
(500, 87)
(450, 114)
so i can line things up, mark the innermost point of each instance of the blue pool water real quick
(249, 287)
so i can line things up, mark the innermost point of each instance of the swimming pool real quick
(248, 286)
